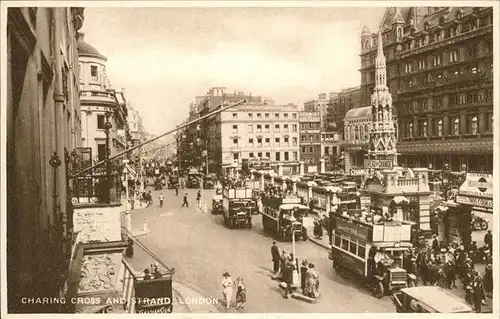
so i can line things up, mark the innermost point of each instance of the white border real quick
(236, 4)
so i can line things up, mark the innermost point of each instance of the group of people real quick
(441, 265)
(227, 291)
(285, 264)
(153, 272)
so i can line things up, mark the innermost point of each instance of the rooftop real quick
(85, 49)
(357, 113)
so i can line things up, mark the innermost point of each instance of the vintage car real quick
(428, 299)
(217, 207)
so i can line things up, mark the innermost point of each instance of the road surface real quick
(201, 249)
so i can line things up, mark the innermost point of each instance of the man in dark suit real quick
(435, 244)
(275, 253)
(288, 277)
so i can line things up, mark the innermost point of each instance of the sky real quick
(164, 57)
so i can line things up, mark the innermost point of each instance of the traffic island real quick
(299, 296)
(293, 286)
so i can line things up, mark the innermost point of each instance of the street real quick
(201, 249)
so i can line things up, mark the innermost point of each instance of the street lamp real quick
(107, 127)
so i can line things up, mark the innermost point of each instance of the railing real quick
(408, 182)
(128, 287)
(100, 94)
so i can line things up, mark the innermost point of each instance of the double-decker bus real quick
(283, 216)
(371, 251)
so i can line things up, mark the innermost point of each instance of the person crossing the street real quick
(185, 201)
(161, 199)
(198, 196)
(275, 253)
(177, 190)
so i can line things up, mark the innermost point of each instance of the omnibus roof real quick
(292, 206)
(438, 299)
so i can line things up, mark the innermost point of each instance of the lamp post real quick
(107, 127)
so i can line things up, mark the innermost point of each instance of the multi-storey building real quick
(340, 103)
(357, 124)
(319, 105)
(100, 104)
(310, 140)
(137, 131)
(260, 131)
(440, 73)
(42, 127)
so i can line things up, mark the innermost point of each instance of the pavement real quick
(201, 249)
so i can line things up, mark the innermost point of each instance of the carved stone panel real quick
(99, 272)
(98, 224)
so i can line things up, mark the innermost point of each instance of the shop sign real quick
(352, 229)
(480, 185)
(378, 163)
(153, 296)
(474, 201)
(359, 171)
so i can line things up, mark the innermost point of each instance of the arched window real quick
(367, 44)
(410, 130)
(356, 132)
(474, 126)
(367, 131)
(440, 128)
(399, 33)
(456, 127)
(424, 126)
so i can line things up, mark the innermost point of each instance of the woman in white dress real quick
(227, 286)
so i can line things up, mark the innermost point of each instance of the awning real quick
(400, 199)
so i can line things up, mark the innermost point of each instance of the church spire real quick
(380, 68)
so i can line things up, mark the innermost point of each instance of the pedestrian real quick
(449, 270)
(282, 262)
(312, 282)
(227, 286)
(435, 243)
(488, 240)
(479, 298)
(156, 272)
(198, 196)
(303, 270)
(147, 276)
(288, 277)
(275, 254)
(488, 280)
(185, 201)
(241, 293)
(176, 190)
(129, 252)
(161, 199)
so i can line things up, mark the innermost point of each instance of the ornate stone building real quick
(440, 73)
(42, 128)
(357, 125)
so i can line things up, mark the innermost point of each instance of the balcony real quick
(448, 41)
(90, 97)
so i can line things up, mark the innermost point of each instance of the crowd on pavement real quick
(442, 265)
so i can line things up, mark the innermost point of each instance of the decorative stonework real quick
(97, 224)
(99, 272)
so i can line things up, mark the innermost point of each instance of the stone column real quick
(280, 170)
(301, 171)
(294, 187)
(261, 182)
(322, 165)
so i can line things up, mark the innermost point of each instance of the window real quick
(285, 128)
(250, 128)
(235, 115)
(287, 143)
(408, 68)
(294, 141)
(285, 115)
(259, 115)
(277, 127)
(259, 142)
(94, 73)
(424, 129)
(294, 115)
(250, 154)
(266, 115)
(101, 151)
(259, 128)
(277, 141)
(286, 156)
(266, 128)
(278, 156)
(295, 156)
(277, 115)
(268, 154)
(250, 115)
(474, 126)
(259, 154)
(267, 141)
(456, 127)
(421, 64)
(235, 141)
(462, 99)
(250, 141)
(294, 127)
(310, 138)
(101, 119)
(235, 128)
(454, 56)
(436, 60)
(440, 128)
(410, 130)
(311, 149)
(303, 149)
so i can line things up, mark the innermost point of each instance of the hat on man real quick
(226, 274)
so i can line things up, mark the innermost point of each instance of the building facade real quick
(310, 140)
(100, 104)
(43, 127)
(319, 105)
(258, 131)
(357, 126)
(440, 73)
